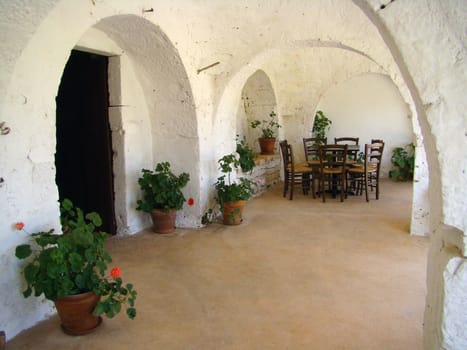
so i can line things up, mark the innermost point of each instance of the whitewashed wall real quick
(304, 47)
(369, 106)
(258, 102)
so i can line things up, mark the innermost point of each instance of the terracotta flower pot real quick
(267, 145)
(232, 213)
(163, 222)
(75, 312)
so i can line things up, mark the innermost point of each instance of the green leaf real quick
(23, 251)
(76, 262)
(99, 309)
(94, 218)
(27, 293)
(131, 312)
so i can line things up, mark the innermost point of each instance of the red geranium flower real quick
(191, 201)
(116, 272)
(19, 225)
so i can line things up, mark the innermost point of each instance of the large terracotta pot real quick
(267, 145)
(232, 213)
(163, 222)
(75, 312)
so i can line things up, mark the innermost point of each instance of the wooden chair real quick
(367, 176)
(333, 160)
(375, 156)
(348, 141)
(311, 148)
(293, 174)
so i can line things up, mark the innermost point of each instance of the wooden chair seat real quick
(367, 176)
(302, 168)
(293, 174)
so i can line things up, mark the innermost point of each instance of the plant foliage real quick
(269, 127)
(228, 190)
(321, 125)
(162, 189)
(246, 155)
(403, 160)
(74, 263)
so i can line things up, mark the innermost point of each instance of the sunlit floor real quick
(298, 274)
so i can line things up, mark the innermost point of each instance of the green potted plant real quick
(71, 270)
(231, 196)
(246, 155)
(162, 195)
(321, 125)
(269, 128)
(403, 159)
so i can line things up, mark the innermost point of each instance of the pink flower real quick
(116, 272)
(191, 201)
(19, 225)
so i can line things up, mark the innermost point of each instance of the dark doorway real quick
(83, 157)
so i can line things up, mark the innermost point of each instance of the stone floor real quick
(298, 274)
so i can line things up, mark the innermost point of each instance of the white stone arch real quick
(148, 133)
(170, 108)
(160, 76)
(440, 86)
(258, 100)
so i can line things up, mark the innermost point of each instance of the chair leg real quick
(286, 185)
(313, 186)
(366, 187)
(292, 185)
(306, 183)
(342, 186)
(377, 186)
(322, 190)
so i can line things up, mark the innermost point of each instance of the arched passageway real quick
(420, 45)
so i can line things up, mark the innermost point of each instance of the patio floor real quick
(298, 274)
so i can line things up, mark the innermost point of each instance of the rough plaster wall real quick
(420, 222)
(168, 95)
(259, 101)
(302, 76)
(422, 29)
(28, 165)
(435, 56)
(368, 106)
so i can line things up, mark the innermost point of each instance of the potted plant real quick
(403, 160)
(268, 131)
(162, 196)
(231, 196)
(71, 270)
(246, 155)
(321, 125)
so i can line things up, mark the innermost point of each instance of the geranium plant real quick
(268, 127)
(228, 190)
(75, 262)
(162, 189)
(246, 155)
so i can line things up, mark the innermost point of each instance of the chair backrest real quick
(375, 153)
(377, 141)
(346, 140)
(311, 146)
(333, 156)
(287, 157)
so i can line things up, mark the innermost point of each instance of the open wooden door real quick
(83, 156)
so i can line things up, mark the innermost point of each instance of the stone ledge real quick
(266, 172)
